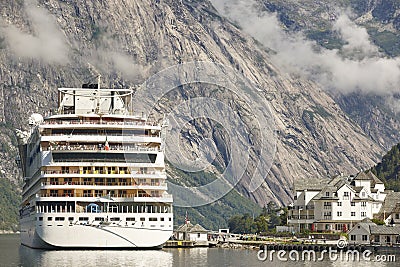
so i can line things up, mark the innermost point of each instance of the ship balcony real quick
(100, 148)
(104, 185)
(103, 124)
(97, 138)
(104, 174)
(90, 197)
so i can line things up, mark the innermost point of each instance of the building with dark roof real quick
(367, 232)
(190, 232)
(336, 204)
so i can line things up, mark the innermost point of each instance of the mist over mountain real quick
(309, 87)
(345, 46)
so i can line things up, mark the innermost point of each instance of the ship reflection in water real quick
(50, 258)
(169, 257)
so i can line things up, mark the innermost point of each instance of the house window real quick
(339, 213)
(327, 204)
(339, 204)
(353, 204)
(198, 235)
(327, 194)
(353, 213)
(377, 239)
(346, 195)
(363, 214)
(363, 204)
(397, 216)
(364, 238)
(363, 194)
(353, 237)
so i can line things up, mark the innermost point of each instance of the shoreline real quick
(8, 232)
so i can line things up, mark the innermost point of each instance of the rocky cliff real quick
(48, 44)
(377, 111)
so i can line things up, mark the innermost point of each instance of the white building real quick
(190, 232)
(336, 204)
(367, 232)
(361, 232)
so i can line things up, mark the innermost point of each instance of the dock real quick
(188, 244)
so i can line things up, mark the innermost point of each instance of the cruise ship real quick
(94, 175)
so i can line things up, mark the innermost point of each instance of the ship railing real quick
(102, 172)
(105, 183)
(62, 122)
(103, 134)
(121, 209)
(92, 195)
(100, 148)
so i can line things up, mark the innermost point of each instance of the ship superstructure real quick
(94, 175)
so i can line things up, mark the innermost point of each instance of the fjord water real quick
(12, 254)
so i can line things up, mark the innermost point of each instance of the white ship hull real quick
(94, 175)
(65, 235)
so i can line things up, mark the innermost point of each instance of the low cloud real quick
(46, 41)
(358, 66)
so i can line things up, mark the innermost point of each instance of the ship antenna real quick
(93, 70)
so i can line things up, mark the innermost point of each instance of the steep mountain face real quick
(128, 41)
(388, 170)
(377, 114)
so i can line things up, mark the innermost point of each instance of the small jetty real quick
(188, 244)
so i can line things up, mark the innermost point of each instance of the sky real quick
(358, 67)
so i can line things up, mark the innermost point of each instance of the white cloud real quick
(357, 38)
(46, 42)
(358, 67)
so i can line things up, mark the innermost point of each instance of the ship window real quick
(152, 219)
(115, 219)
(87, 170)
(98, 193)
(68, 193)
(87, 181)
(49, 218)
(84, 218)
(65, 169)
(87, 193)
(59, 218)
(130, 219)
(142, 219)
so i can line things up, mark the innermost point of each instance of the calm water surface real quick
(12, 254)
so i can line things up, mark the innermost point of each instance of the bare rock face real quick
(128, 41)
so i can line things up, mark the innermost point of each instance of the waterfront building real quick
(190, 232)
(337, 204)
(367, 232)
